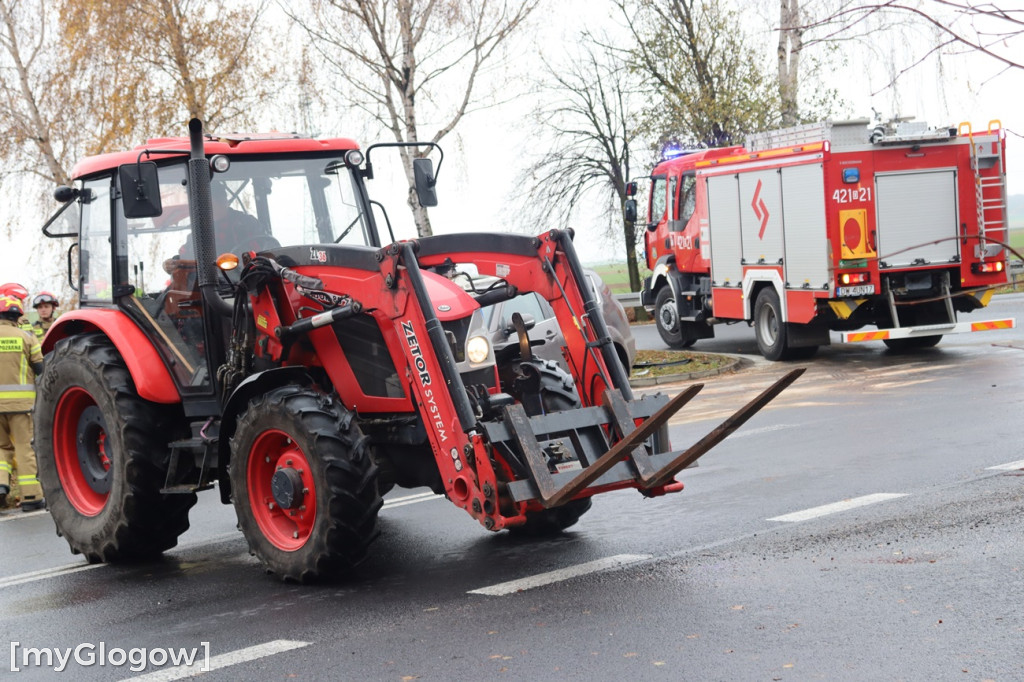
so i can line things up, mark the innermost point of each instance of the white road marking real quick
(412, 499)
(757, 431)
(561, 574)
(251, 653)
(835, 507)
(45, 573)
(21, 515)
(1012, 466)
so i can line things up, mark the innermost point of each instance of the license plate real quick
(862, 290)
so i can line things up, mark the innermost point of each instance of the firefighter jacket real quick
(18, 351)
(40, 327)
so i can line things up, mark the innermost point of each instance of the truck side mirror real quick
(140, 190)
(423, 172)
(631, 189)
(629, 209)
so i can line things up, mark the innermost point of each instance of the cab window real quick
(656, 213)
(688, 198)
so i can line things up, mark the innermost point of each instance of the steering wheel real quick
(260, 242)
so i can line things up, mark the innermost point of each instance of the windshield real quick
(258, 204)
(295, 201)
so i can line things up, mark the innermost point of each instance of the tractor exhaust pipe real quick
(200, 207)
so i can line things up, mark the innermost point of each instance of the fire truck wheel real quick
(304, 484)
(912, 343)
(769, 327)
(557, 393)
(103, 455)
(666, 315)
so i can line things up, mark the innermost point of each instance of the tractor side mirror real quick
(140, 190)
(64, 194)
(426, 191)
(629, 209)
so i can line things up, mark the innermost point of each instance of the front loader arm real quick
(497, 462)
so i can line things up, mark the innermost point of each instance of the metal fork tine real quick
(719, 434)
(621, 449)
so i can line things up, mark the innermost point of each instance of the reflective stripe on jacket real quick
(18, 351)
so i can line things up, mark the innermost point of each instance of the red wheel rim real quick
(80, 451)
(287, 529)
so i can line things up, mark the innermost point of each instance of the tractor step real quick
(185, 489)
(585, 430)
(198, 455)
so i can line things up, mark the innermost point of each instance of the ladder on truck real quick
(990, 188)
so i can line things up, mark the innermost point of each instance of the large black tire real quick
(666, 317)
(912, 343)
(297, 442)
(103, 455)
(772, 333)
(557, 393)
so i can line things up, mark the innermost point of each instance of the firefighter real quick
(45, 304)
(21, 293)
(21, 360)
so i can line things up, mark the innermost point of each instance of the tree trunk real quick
(790, 46)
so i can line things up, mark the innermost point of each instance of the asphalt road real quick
(854, 529)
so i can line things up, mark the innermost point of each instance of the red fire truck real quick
(830, 227)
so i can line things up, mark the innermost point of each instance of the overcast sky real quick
(491, 147)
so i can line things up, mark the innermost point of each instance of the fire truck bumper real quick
(928, 330)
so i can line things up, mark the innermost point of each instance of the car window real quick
(527, 304)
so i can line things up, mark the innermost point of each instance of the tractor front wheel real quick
(304, 484)
(103, 455)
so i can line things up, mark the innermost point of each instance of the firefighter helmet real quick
(10, 306)
(45, 297)
(14, 289)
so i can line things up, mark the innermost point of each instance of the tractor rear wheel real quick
(103, 455)
(304, 484)
(557, 393)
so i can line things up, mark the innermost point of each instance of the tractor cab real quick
(137, 249)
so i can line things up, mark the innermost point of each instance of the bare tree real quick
(35, 130)
(84, 76)
(707, 85)
(791, 45)
(157, 63)
(959, 26)
(590, 123)
(414, 63)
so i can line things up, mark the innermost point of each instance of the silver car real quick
(498, 319)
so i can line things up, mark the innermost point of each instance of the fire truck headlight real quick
(477, 349)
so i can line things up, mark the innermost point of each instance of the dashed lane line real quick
(220, 661)
(541, 579)
(45, 574)
(836, 507)
(1012, 466)
(411, 499)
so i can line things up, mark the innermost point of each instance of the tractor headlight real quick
(477, 349)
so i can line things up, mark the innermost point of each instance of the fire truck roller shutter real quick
(724, 228)
(915, 209)
(761, 216)
(806, 264)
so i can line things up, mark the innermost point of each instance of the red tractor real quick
(242, 324)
